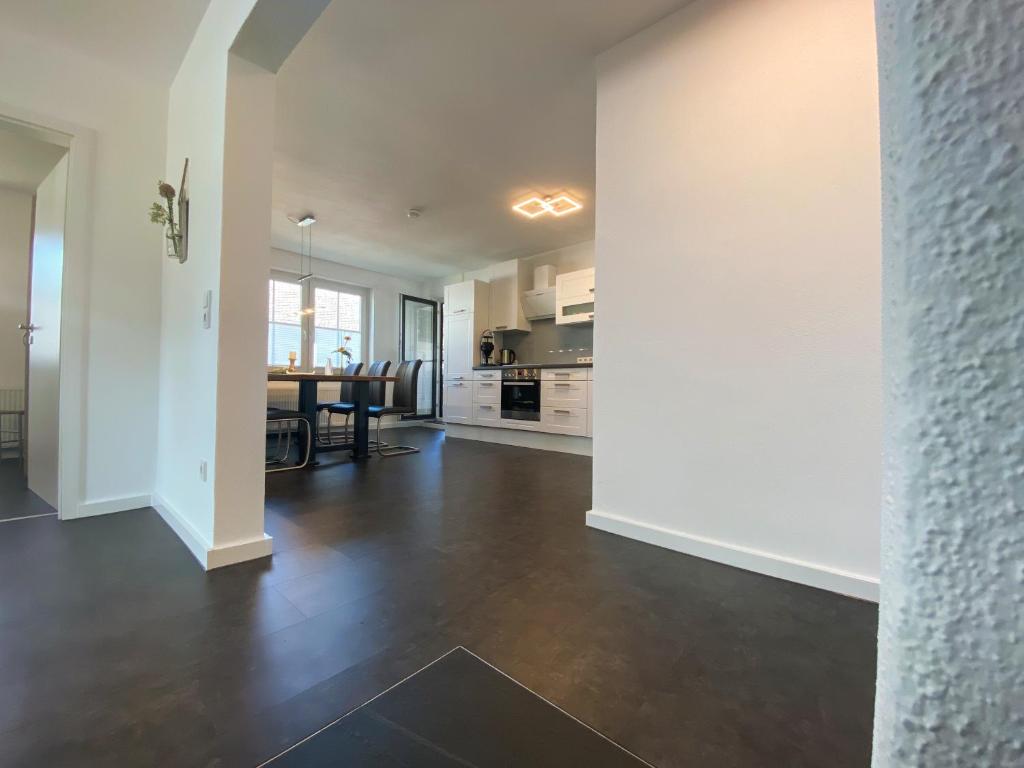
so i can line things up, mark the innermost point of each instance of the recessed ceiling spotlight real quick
(414, 213)
(558, 206)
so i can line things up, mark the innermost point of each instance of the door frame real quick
(78, 217)
(402, 297)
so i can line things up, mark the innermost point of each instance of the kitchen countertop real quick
(534, 365)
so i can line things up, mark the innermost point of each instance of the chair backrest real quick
(404, 396)
(378, 389)
(348, 389)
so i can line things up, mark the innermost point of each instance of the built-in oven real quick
(520, 394)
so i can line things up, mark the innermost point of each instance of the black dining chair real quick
(377, 396)
(344, 400)
(403, 403)
(282, 418)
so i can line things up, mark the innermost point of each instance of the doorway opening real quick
(418, 331)
(33, 206)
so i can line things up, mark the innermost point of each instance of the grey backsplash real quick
(549, 343)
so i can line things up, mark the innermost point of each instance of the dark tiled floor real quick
(16, 500)
(456, 712)
(118, 650)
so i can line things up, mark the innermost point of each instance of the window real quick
(285, 332)
(338, 314)
(337, 311)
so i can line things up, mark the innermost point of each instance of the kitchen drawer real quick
(563, 421)
(563, 374)
(466, 378)
(486, 414)
(487, 392)
(564, 394)
(492, 375)
(458, 402)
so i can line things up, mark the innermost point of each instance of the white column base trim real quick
(799, 571)
(209, 556)
(108, 506)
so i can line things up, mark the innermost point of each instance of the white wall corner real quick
(209, 556)
(765, 563)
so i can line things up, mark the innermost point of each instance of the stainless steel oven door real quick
(520, 400)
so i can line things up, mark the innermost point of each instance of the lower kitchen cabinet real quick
(486, 414)
(563, 421)
(458, 402)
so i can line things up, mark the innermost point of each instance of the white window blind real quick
(285, 314)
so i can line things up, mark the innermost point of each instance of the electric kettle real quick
(508, 357)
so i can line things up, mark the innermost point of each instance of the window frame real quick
(308, 324)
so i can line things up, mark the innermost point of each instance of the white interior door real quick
(44, 320)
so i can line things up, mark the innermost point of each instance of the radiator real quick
(11, 400)
(286, 396)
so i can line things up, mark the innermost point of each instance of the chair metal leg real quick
(306, 454)
(384, 450)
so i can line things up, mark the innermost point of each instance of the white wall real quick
(15, 239)
(197, 410)
(120, 332)
(738, 278)
(950, 688)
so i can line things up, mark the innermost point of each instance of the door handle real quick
(28, 328)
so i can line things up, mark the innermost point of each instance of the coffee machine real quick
(486, 347)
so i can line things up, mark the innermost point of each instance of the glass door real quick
(419, 342)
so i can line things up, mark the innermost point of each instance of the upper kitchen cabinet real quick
(466, 298)
(574, 297)
(508, 280)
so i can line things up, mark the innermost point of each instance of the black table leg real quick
(307, 404)
(361, 449)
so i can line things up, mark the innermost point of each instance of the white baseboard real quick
(192, 539)
(543, 441)
(211, 557)
(239, 552)
(108, 506)
(799, 571)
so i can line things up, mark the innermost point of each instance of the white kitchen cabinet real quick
(459, 354)
(563, 374)
(458, 402)
(574, 297)
(563, 421)
(487, 392)
(490, 374)
(507, 282)
(466, 317)
(467, 297)
(486, 414)
(564, 394)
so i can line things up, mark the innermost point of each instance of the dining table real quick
(308, 385)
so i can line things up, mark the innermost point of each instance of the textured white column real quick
(951, 635)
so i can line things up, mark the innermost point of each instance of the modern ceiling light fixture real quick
(305, 224)
(559, 205)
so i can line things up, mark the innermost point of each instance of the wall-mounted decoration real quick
(162, 213)
(183, 202)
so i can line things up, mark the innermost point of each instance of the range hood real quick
(539, 304)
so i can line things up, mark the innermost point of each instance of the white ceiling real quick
(460, 107)
(146, 38)
(24, 161)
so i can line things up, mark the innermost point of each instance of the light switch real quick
(207, 309)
